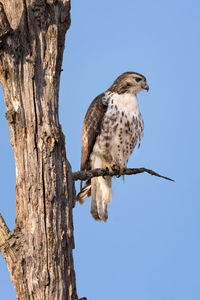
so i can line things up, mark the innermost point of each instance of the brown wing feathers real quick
(91, 128)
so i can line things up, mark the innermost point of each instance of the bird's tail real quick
(101, 195)
(100, 190)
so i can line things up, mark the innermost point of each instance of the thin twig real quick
(85, 175)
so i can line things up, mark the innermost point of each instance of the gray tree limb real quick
(86, 175)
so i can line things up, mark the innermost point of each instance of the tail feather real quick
(100, 190)
(101, 195)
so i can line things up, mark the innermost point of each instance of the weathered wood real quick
(39, 252)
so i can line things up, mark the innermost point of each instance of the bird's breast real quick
(124, 102)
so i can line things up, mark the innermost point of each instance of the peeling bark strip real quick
(39, 252)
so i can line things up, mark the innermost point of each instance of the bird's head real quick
(129, 82)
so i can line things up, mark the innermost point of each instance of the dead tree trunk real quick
(39, 252)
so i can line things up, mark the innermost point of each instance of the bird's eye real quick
(138, 79)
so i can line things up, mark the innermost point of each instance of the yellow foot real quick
(106, 164)
(112, 166)
(119, 168)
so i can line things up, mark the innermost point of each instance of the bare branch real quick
(85, 175)
(5, 233)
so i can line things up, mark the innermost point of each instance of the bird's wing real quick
(92, 127)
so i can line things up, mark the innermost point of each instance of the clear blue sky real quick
(150, 247)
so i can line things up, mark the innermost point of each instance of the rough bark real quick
(39, 251)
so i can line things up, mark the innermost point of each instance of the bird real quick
(112, 127)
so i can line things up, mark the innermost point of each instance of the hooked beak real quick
(144, 85)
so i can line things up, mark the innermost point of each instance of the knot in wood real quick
(45, 280)
(51, 141)
(10, 116)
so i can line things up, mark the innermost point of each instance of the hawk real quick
(112, 128)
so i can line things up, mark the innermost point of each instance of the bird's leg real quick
(106, 164)
(112, 166)
(119, 168)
